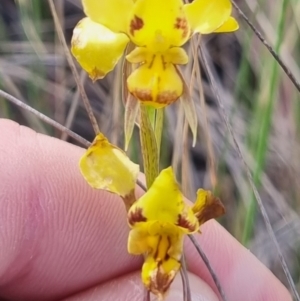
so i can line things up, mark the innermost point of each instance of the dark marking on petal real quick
(152, 61)
(136, 216)
(181, 23)
(160, 280)
(184, 223)
(136, 24)
(157, 249)
(213, 208)
(163, 62)
(142, 94)
(96, 74)
(167, 97)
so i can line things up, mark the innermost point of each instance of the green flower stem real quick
(158, 128)
(149, 145)
(266, 114)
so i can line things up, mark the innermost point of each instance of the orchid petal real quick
(229, 26)
(105, 166)
(207, 16)
(114, 14)
(158, 25)
(96, 48)
(156, 83)
(163, 202)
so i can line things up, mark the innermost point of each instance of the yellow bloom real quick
(158, 29)
(159, 220)
(105, 166)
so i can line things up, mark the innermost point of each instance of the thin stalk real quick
(209, 267)
(158, 128)
(149, 147)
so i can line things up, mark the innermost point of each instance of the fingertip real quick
(57, 234)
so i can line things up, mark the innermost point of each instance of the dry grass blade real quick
(116, 105)
(186, 172)
(248, 173)
(59, 71)
(73, 68)
(73, 108)
(189, 108)
(209, 145)
(130, 116)
(187, 296)
(43, 117)
(178, 132)
(269, 47)
(209, 267)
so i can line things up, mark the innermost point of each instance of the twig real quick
(209, 267)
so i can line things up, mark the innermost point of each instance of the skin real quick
(62, 240)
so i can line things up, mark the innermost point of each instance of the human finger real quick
(57, 235)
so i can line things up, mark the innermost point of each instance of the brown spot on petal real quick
(184, 223)
(164, 98)
(136, 24)
(136, 216)
(167, 97)
(213, 208)
(161, 281)
(143, 94)
(96, 74)
(181, 23)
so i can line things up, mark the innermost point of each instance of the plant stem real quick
(149, 147)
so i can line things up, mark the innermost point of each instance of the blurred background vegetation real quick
(262, 104)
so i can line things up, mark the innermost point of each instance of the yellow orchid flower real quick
(105, 166)
(159, 220)
(158, 29)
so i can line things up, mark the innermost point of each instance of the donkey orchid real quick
(158, 29)
(159, 220)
